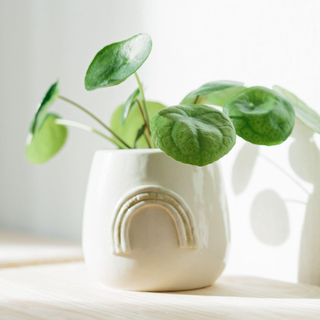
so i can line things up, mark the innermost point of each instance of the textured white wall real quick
(258, 42)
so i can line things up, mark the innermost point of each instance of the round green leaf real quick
(261, 116)
(304, 113)
(134, 122)
(47, 141)
(195, 134)
(49, 98)
(117, 61)
(220, 98)
(209, 88)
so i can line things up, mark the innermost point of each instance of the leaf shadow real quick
(243, 167)
(269, 218)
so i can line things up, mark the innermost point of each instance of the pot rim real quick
(132, 151)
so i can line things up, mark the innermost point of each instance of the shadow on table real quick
(253, 287)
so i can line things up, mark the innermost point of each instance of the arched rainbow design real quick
(149, 195)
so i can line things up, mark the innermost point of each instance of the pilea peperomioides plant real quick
(195, 132)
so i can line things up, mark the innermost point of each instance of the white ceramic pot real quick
(154, 224)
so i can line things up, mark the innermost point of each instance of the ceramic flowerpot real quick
(154, 224)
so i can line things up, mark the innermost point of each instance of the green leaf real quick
(49, 98)
(117, 61)
(220, 98)
(129, 104)
(261, 116)
(139, 134)
(304, 113)
(208, 89)
(195, 134)
(133, 123)
(47, 141)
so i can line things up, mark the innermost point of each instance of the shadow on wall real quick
(269, 215)
(269, 218)
(304, 157)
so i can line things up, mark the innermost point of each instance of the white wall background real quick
(272, 205)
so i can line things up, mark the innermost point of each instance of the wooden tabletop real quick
(68, 291)
(18, 249)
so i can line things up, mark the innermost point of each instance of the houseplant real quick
(128, 242)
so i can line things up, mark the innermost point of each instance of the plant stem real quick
(197, 99)
(95, 118)
(145, 123)
(144, 103)
(82, 126)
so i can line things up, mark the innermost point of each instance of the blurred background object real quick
(270, 189)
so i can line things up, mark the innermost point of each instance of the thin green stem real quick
(143, 99)
(95, 118)
(197, 99)
(145, 124)
(82, 126)
(145, 107)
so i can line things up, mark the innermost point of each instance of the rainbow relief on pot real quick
(152, 196)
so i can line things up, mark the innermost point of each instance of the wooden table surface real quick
(21, 249)
(68, 291)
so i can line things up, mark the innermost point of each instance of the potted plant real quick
(155, 214)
